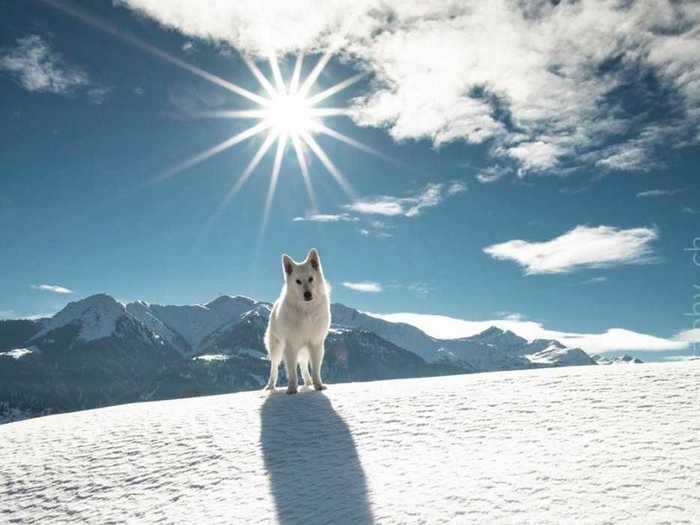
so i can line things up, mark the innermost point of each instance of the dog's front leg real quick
(290, 362)
(317, 351)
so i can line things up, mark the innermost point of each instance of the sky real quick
(527, 163)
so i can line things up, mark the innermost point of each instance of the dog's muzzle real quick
(307, 296)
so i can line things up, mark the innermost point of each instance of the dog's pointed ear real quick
(314, 259)
(287, 264)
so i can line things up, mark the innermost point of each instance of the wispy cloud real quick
(657, 193)
(52, 288)
(511, 316)
(97, 95)
(688, 210)
(493, 173)
(544, 97)
(582, 247)
(596, 280)
(38, 68)
(432, 195)
(364, 286)
(326, 217)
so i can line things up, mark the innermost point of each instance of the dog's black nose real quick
(307, 296)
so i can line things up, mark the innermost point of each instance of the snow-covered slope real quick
(564, 445)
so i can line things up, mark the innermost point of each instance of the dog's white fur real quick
(298, 326)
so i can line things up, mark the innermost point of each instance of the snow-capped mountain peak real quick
(96, 316)
(228, 303)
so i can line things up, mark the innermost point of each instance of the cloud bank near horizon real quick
(548, 96)
(612, 340)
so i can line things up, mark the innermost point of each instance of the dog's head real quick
(304, 280)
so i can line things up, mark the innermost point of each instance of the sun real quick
(289, 115)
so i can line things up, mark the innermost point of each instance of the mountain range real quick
(98, 352)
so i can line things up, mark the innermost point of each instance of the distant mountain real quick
(618, 360)
(98, 352)
(185, 327)
(492, 349)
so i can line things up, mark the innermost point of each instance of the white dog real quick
(299, 323)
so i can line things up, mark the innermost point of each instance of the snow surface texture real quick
(566, 445)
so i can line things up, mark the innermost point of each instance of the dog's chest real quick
(307, 325)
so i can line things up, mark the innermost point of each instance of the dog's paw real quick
(269, 388)
(291, 391)
(320, 387)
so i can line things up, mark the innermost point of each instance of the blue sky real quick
(540, 166)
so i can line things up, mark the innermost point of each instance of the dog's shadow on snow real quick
(310, 456)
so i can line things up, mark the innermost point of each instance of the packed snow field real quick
(584, 444)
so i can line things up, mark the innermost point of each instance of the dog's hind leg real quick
(275, 348)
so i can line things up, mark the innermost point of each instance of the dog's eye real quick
(298, 281)
(311, 279)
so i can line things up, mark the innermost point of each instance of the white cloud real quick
(612, 340)
(455, 187)
(364, 286)
(537, 155)
(38, 68)
(535, 78)
(657, 193)
(582, 247)
(688, 210)
(493, 173)
(52, 288)
(432, 195)
(511, 316)
(326, 217)
(689, 336)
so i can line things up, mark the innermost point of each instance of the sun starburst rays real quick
(291, 117)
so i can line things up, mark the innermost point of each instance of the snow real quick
(17, 353)
(140, 310)
(97, 316)
(556, 354)
(561, 445)
(195, 322)
(212, 357)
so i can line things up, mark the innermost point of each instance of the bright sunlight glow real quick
(289, 115)
(287, 112)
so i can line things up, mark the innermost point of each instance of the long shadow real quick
(310, 456)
